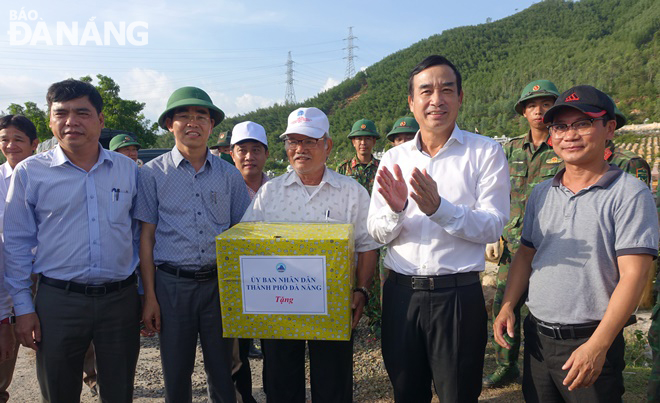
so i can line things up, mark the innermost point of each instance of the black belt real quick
(89, 290)
(430, 283)
(564, 332)
(206, 273)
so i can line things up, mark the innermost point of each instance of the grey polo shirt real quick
(578, 238)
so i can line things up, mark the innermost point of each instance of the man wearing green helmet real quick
(531, 161)
(403, 131)
(364, 165)
(188, 196)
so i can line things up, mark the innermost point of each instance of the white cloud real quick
(19, 89)
(233, 106)
(329, 83)
(149, 86)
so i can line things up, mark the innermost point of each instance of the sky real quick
(236, 50)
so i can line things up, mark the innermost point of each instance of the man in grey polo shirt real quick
(589, 237)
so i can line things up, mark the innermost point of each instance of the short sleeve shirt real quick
(578, 238)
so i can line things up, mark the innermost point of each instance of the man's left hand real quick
(359, 301)
(585, 364)
(425, 192)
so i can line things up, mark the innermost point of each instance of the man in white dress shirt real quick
(437, 201)
(18, 140)
(309, 193)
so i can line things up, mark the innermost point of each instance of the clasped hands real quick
(394, 190)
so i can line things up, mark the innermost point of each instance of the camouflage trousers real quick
(506, 357)
(654, 342)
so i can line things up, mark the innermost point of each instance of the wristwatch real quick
(364, 292)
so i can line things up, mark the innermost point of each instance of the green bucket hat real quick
(364, 127)
(536, 89)
(224, 139)
(123, 140)
(403, 125)
(191, 96)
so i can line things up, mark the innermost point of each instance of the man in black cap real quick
(588, 239)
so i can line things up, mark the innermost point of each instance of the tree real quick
(36, 115)
(124, 114)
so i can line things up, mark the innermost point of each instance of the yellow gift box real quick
(271, 278)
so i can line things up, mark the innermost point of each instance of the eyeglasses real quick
(306, 143)
(581, 127)
(184, 117)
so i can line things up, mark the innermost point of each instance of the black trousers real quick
(331, 371)
(243, 377)
(543, 376)
(69, 322)
(437, 336)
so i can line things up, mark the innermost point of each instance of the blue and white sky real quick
(235, 50)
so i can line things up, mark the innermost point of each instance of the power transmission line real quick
(350, 67)
(290, 95)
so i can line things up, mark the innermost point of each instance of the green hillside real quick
(611, 44)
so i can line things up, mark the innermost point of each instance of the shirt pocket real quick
(518, 174)
(119, 206)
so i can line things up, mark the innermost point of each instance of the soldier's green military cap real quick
(123, 140)
(403, 125)
(191, 96)
(364, 127)
(224, 139)
(536, 89)
(618, 115)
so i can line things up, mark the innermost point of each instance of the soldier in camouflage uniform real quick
(364, 165)
(403, 131)
(531, 161)
(628, 161)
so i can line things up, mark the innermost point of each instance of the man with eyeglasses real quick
(187, 197)
(531, 161)
(588, 239)
(314, 193)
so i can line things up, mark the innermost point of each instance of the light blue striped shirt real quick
(189, 208)
(79, 221)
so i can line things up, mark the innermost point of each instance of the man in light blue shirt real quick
(187, 197)
(73, 203)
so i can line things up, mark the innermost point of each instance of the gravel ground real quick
(371, 383)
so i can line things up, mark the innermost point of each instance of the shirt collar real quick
(7, 170)
(178, 158)
(355, 162)
(59, 158)
(606, 180)
(528, 140)
(456, 135)
(327, 178)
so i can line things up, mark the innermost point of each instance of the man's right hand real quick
(393, 189)
(493, 251)
(504, 323)
(28, 330)
(151, 314)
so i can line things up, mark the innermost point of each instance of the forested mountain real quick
(611, 44)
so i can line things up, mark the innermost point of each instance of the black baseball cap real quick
(586, 99)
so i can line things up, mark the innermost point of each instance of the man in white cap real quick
(249, 150)
(312, 192)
